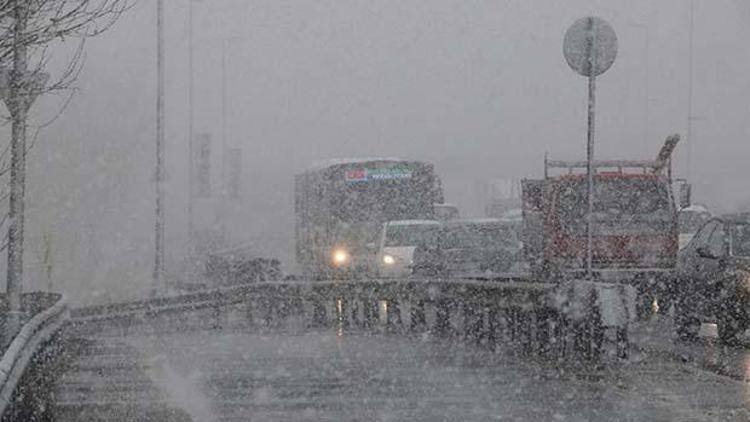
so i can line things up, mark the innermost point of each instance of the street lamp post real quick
(191, 128)
(689, 137)
(158, 275)
(224, 43)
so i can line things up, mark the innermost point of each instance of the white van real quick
(399, 239)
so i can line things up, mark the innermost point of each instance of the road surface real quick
(321, 376)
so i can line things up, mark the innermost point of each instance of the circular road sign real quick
(590, 43)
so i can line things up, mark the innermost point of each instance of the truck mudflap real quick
(612, 303)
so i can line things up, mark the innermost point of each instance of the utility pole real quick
(224, 42)
(18, 103)
(191, 131)
(159, 228)
(689, 137)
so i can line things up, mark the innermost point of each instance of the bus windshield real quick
(386, 200)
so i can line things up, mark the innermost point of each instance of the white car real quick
(399, 239)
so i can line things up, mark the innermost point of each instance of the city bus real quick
(341, 205)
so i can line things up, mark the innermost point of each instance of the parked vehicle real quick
(713, 283)
(399, 239)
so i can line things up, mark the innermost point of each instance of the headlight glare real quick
(340, 257)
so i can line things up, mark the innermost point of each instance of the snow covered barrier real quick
(24, 346)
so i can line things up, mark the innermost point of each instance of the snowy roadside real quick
(657, 337)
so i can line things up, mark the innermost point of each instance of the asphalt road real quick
(322, 376)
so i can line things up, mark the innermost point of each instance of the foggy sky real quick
(480, 88)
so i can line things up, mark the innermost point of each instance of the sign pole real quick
(590, 177)
(590, 48)
(590, 150)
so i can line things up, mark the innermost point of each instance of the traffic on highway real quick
(326, 210)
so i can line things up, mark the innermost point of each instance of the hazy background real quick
(480, 88)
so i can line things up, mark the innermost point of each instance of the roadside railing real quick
(320, 293)
(557, 319)
(481, 311)
(33, 335)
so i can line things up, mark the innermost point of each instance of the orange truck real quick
(634, 231)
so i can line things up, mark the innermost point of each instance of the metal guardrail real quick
(308, 290)
(24, 346)
(578, 316)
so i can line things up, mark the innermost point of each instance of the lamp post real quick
(689, 137)
(191, 129)
(158, 276)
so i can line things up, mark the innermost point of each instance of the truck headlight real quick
(388, 260)
(340, 257)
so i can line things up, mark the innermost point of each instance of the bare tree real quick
(29, 31)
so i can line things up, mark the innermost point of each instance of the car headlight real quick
(388, 260)
(340, 257)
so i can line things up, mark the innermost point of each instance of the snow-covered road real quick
(321, 376)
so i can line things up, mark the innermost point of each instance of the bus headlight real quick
(388, 260)
(340, 257)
